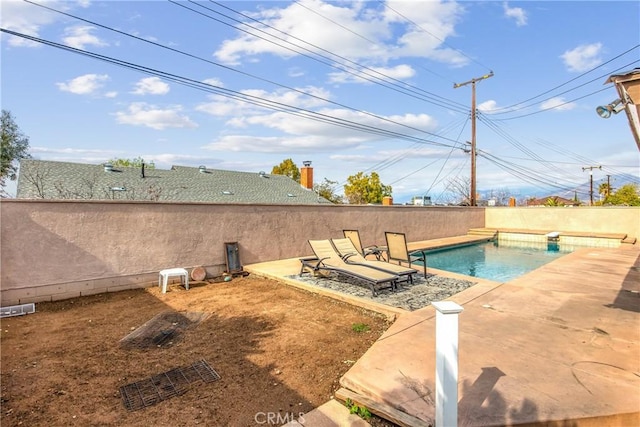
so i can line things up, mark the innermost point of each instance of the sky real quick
(352, 86)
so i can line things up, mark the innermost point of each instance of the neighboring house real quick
(628, 87)
(40, 179)
(552, 201)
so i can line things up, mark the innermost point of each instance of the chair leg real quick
(424, 263)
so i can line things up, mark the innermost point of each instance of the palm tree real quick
(604, 189)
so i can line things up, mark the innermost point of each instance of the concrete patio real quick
(559, 346)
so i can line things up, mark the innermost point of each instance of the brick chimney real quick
(306, 175)
(387, 201)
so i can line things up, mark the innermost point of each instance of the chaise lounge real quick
(328, 260)
(397, 250)
(350, 255)
(354, 236)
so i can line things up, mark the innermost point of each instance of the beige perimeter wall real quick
(598, 219)
(61, 249)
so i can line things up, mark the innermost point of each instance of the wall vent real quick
(17, 310)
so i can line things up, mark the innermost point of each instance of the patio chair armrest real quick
(374, 250)
(309, 262)
(345, 257)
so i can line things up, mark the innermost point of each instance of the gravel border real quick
(408, 296)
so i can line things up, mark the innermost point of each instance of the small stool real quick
(165, 274)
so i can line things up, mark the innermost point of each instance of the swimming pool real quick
(497, 261)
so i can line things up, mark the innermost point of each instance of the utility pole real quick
(472, 200)
(608, 190)
(591, 168)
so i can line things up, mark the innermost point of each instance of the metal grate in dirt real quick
(166, 385)
(164, 329)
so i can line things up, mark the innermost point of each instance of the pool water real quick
(496, 261)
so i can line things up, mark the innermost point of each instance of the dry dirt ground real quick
(276, 349)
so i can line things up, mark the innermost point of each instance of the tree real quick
(604, 189)
(326, 190)
(362, 189)
(460, 187)
(131, 163)
(288, 168)
(501, 196)
(553, 201)
(15, 146)
(628, 194)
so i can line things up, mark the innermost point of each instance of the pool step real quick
(483, 232)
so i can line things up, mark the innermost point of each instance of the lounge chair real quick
(354, 236)
(327, 259)
(350, 254)
(397, 250)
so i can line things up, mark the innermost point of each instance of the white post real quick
(447, 363)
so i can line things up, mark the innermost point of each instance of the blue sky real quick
(352, 86)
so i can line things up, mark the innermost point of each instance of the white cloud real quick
(70, 150)
(222, 106)
(558, 104)
(79, 155)
(583, 57)
(302, 135)
(296, 72)
(399, 72)
(487, 106)
(516, 13)
(151, 86)
(361, 33)
(26, 19)
(80, 36)
(275, 144)
(143, 114)
(87, 84)
(166, 160)
(213, 82)
(410, 153)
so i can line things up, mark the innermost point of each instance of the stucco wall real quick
(61, 249)
(597, 219)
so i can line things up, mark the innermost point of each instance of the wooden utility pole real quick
(591, 168)
(472, 200)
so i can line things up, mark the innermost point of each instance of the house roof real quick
(40, 179)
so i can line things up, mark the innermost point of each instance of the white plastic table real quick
(163, 279)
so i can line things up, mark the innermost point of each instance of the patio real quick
(558, 346)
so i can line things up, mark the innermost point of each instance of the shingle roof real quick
(62, 180)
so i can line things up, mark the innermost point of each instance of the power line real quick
(384, 119)
(262, 102)
(512, 107)
(599, 78)
(351, 67)
(554, 107)
(386, 4)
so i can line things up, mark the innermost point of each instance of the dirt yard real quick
(277, 350)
